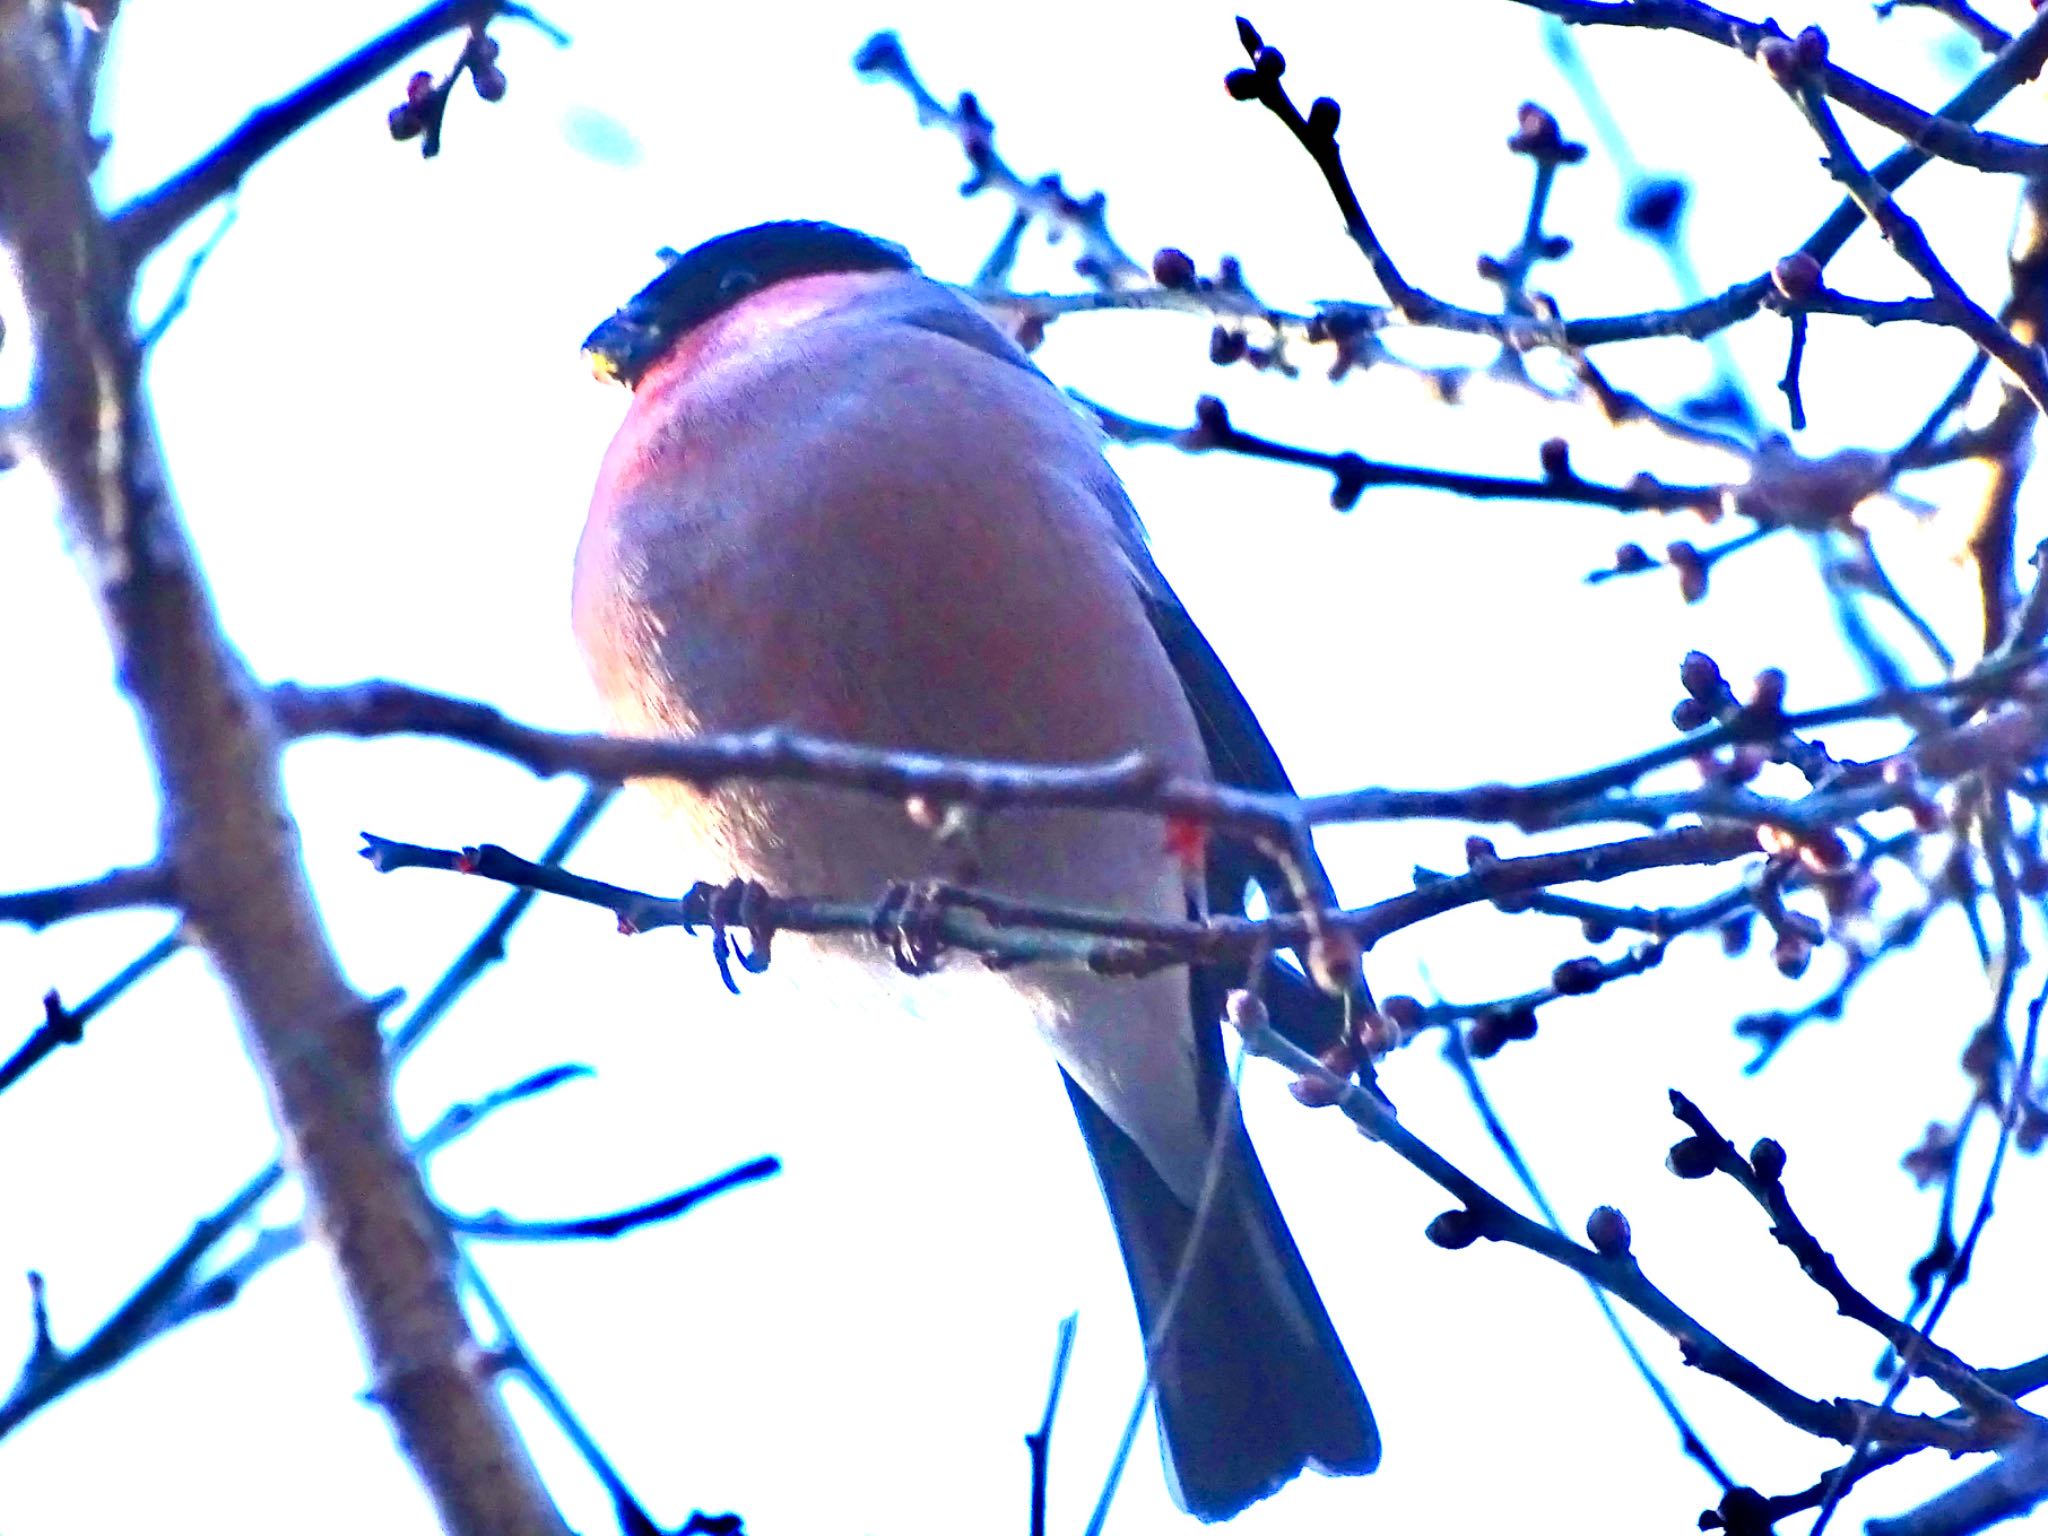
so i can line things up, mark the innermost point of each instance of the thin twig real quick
(1688, 1438)
(151, 218)
(64, 1024)
(1038, 1443)
(499, 1227)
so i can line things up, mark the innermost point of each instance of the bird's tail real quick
(1252, 1381)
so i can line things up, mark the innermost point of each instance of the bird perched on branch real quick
(843, 501)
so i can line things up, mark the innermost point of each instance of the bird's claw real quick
(721, 908)
(909, 924)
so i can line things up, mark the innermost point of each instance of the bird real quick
(843, 501)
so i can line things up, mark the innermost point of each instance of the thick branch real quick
(227, 833)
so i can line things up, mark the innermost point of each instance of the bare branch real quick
(176, 1291)
(227, 833)
(2023, 362)
(1134, 782)
(51, 1373)
(917, 925)
(2007, 1489)
(1038, 1443)
(1937, 134)
(1103, 260)
(63, 1025)
(1761, 1176)
(1688, 1437)
(171, 1293)
(151, 218)
(499, 1227)
(2018, 63)
(143, 885)
(1482, 1215)
(1353, 474)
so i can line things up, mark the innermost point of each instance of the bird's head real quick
(768, 275)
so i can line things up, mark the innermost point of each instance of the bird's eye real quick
(737, 285)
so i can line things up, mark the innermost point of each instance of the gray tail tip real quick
(1215, 1486)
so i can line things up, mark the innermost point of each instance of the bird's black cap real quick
(711, 278)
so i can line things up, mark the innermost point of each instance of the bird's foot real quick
(722, 908)
(910, 924)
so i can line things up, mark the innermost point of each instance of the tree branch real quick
(1483, 1215)
(2022, 362)
(1102, 260)
(63, 1025)
(227, 833)
(1353, 474)
(502, 1228)
(152, 217)
(939, 917)
(1938, 135)
(2018, 63)
(143, 885)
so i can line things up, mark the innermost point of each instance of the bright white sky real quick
(383, 438)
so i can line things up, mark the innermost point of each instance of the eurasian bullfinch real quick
(844, 502)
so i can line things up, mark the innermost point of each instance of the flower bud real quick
(1792, 954)
(1403, 1012)
(1692, 1158)
(1576, 977)
(1453, 1229)
(1796, 277)
(1631, 559)
(1173, 268)
(1690, 714)
(1768, 1159)
(1244, 1011)
(1691, 568)
(1227, 346)
(1700, 676)
(1607, 1230)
